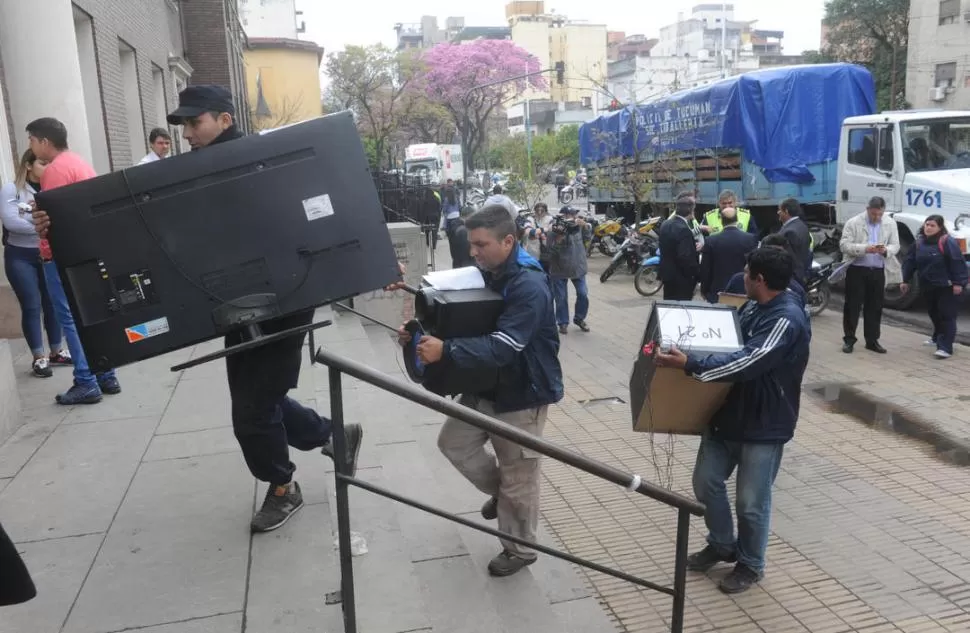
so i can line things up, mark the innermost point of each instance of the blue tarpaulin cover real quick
(782, 119)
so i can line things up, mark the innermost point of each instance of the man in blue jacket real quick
(758, 418)
(524, 348)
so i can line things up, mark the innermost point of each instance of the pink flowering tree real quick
(454, 72)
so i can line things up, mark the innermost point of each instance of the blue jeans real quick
(560, 288)
(26, 277)
(82, 373)
(757, 466)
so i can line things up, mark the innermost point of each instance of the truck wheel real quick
(893, 298)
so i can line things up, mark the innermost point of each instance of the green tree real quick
(875, 34)
(371, 81)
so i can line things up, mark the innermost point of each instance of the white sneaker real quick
(42, 367)
(941, 354)
(929, 343)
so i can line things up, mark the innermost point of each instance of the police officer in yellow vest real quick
(711, 223)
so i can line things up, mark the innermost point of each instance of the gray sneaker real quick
(280, 504)
(507, 563)
(353, 437)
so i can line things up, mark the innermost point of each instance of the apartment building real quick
(271, 18)
(938, 62)
(553, 38)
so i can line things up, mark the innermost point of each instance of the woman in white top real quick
(21, 262)
(534, 236)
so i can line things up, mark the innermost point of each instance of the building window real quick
(862, 147)
(158, 88)
(949, 11)
(132, 95)
(946, 75)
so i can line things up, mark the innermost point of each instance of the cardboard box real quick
(666, 400)
(733, 300)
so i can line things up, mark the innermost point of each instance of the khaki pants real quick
(513, 477)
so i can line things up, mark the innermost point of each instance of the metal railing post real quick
(343, 502)
(680, 572)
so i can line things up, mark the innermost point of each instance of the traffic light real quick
(560, 73)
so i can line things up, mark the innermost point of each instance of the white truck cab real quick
(435, 163)
(919, 162)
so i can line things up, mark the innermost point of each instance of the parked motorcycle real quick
(647, 278)
(607, 236)
(630, 253)
(818, 290)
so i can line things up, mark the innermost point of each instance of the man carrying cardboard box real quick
(755, 422)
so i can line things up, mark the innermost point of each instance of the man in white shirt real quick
(161, 143)
(498, 197)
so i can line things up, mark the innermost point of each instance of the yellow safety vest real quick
(713, 219)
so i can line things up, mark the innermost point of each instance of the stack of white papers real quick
(468, 278)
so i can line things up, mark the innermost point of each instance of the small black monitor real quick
(169, 254)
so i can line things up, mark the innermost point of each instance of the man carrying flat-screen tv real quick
(265, 420)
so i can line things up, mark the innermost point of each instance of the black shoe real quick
(109, 385)
(353, 437)
(490, 509)
(581, 324)
(507, 563)
(847, 348)
(564, 329)
(740, 579)
(280, 504)
(79, 394)
(876, 347)
(707, 558)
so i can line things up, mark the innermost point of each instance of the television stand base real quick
(254, 338)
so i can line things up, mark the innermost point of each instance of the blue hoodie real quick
(525, 344)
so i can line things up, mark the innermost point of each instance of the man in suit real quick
(725, 254)
(679, 262)
(794, 229)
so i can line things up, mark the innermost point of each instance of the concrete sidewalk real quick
(870, 529)
(134, 514)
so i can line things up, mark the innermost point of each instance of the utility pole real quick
(528, 139)
(724, 69)
(892, 89)
(528, 129)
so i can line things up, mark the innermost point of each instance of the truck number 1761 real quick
(928, 198)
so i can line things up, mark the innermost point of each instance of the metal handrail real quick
(504, 430)
(339, 365)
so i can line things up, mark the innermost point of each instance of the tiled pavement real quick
(132, 514)
(870, 529)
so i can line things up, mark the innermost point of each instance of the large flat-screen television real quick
(165, 255)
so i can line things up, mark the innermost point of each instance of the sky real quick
(374, 19)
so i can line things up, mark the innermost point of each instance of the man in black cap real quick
(265, 420)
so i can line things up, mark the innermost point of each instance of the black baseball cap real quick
(197, 100)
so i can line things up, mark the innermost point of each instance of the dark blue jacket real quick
(762, 405)
(736, 287)
(724, 254)
(525, 343)
(938, 265)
